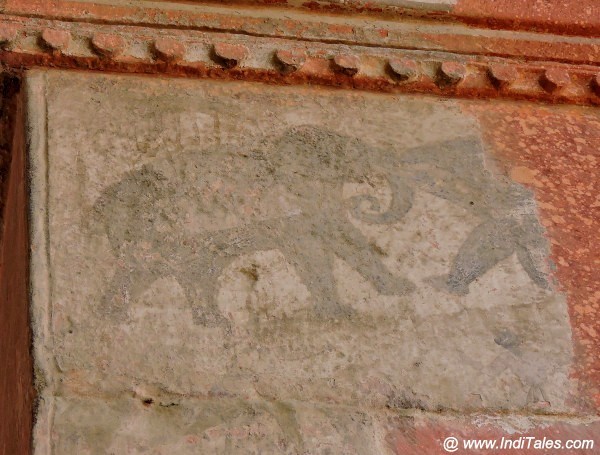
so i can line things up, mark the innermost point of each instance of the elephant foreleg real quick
(314, 264)
(353, 248)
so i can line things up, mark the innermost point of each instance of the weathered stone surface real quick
(555, 152)
(223, 425)
(246, 243)
(229, 425)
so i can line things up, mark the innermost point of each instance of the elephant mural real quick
(454, 170)
(307, 166)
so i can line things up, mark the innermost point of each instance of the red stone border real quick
(26, 42)
(555, 153)
(16, 377)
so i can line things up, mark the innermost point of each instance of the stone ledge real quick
(137, 50)
(221, 425)
(397, 33)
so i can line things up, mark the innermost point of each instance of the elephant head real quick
(334, 159)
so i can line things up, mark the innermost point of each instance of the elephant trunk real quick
(402, 197)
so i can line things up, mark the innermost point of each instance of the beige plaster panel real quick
(244, 242)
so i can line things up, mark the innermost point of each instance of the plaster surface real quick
(286, 266)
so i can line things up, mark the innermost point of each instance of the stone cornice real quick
(395, 54)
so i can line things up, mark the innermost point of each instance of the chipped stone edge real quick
(39, 275)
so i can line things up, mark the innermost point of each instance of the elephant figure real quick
(158, 218)
(454, 170)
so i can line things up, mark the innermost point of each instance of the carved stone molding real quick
(27, 42)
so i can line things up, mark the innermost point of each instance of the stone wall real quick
(234, 267)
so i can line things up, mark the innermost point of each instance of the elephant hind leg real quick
(126, 285)
(116, 298)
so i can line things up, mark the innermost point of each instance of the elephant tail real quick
(402, 198)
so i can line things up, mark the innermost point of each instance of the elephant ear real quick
(402, 198)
